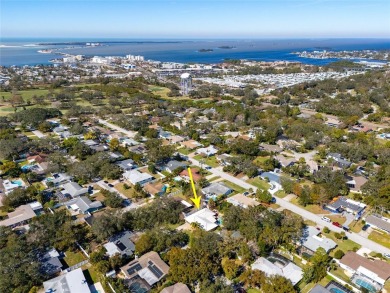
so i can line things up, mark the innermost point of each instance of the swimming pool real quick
(365, 284)
(17, 182)
(336, 290)
(27, 167)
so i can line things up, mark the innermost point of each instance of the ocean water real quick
(24, 51)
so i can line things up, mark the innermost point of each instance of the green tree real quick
(230, 268)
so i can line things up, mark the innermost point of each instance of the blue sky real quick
(195, 18)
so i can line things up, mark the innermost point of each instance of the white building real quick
(290, 271)
(135, 176)
(72, 282)
(205, 218)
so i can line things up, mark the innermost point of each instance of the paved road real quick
(129, 133)
(302, 212)
(38, 133)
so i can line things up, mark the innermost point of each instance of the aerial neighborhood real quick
(101, 164)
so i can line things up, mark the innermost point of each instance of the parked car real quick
(110, 185)
(273, 200)
(105, 181)
(326, 219)
(337, 224)
(387, 255)
(345, 228)
(365, 227)
(246, 193)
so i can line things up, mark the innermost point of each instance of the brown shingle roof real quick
(354, 261)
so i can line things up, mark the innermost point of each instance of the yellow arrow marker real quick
(195, 199)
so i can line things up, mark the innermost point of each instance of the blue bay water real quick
(24, 51)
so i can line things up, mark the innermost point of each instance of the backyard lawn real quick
(381, 238)
(280, 194)
(91, 275)
(259, 183)
(73, 258)
(184, 151)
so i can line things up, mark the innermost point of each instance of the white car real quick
(387, 255)
(326, 219)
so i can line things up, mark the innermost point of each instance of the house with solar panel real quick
(120, 244)
(143, 273)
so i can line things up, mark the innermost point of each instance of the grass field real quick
(337, 218)
(211, 161)
(280, 194)
(344, 245)
(315, 209)
(73, 258)
(381, 238)
(126, 192)
(233, 186)
(356, 227)
(184, 151)
(91, 275)
(27, 95)
(259, 183)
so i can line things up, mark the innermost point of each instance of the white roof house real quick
(73, 189)
(290, 271)
(312, 241)
(71, 282)
(135, 176)
(205, 218)
(209, 151)
(241, 200)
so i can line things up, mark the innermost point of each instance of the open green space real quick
(233, 186)
(380, 237)
(280, 194)
(184, 151)
(259, 183)
(356, 226)
(315, 209)
(211, 161)
(27, 94)
(344, 245)
(74, 257)
(90, 273)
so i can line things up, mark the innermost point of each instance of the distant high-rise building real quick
(185, 83)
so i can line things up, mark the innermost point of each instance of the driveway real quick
(302, 212)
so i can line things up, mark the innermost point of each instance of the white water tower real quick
(185, 83)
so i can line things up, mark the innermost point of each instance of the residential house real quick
(374, 272)
(145, 271)
(126, 165)
(333, 122)
(137, 177)
(171, 166)
(224, 159)
(355, 183)
(216, 189)
(164, 134)
(196, 176)
(270, 148)
(50, 262)
(177, 288)
(73, 189)
(83, 205)
(191, 144)
(339, 160)
(58, 179)
(331, 287)
(120, 244)
(155, 188)
(11, 185)
(311, 240)
(285, 161)
(129, 142)
(209, 151)
(20, 216)
(176, 139)
(343, 203)
(243, 201)
(281, 267)
(204, 217)
(379, 222)
(71, 282)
